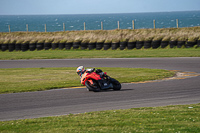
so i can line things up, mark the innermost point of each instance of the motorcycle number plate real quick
(105, 84)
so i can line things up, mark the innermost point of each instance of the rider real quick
(81, 70)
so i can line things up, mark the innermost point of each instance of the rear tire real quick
(116, 84)
(90, 87)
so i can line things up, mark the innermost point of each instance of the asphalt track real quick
(185, 90)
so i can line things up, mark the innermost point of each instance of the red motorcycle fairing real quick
(89, 76)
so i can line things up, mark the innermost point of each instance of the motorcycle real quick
(95, 82)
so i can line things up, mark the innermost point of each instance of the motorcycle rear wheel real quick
(95, 87)
(116, 84)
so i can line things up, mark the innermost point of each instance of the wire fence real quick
(101, 26)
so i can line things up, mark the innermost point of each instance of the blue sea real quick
(93, 21)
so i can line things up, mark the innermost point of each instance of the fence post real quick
(154, 23)
(118, 24)
(177, 23)
(45, 27)
(84, 25)
(101, 25)
(27, 27)
(133, 23)
(63, 26)
(9, 28)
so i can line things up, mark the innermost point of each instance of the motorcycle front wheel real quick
(116, 84)
(92, 87)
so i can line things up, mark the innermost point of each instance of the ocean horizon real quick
(36, 23)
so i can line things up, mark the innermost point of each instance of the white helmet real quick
(80, 70)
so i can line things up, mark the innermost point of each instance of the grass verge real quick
(182, 118)
(69, 54)
(37, 79)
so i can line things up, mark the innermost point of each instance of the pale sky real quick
(38, 7)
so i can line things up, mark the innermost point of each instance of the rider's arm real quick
(90, 70)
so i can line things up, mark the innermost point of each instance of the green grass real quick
(169, 119)
(69, 54)
(37, 79)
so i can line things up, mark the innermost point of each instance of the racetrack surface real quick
(78, 100)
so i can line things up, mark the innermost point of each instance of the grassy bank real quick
(37, 79)
(182, 118)
(69, 54)
(164, 34)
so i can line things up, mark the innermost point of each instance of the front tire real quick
(116, 84)
(92, 87)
